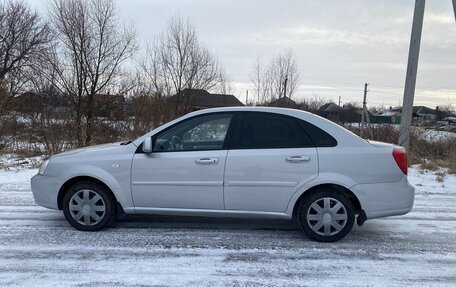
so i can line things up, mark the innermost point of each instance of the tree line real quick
(80, 49)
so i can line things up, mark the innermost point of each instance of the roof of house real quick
(422, 110)
(417, 111)
(284, 102)
(203, 99)
(329, 107)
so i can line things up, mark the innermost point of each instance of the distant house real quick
(283, 102)
(189, 100)
(353, 114)
(330, 111)
(105, 105)
(419, 114)
(422, 113)
(449, 120)
(28, 102)
(392, 116)
(349, 113)
(109, 106)
(31, 102)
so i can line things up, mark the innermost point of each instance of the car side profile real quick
(233, 162)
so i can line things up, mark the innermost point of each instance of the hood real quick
(89, 149)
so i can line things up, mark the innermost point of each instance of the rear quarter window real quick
(318, 136)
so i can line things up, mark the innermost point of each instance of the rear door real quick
(270, 158)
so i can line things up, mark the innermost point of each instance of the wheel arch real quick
(350, 195)
(70, 182)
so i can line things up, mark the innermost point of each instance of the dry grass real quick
(440, 176)
(429, 165)
(450, 164)
(434, 153)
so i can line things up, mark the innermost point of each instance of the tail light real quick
(400, 156)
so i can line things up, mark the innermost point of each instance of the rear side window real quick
(319, 136)
(267, 130)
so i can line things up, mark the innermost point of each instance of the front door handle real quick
(297, 158)
(206, 160)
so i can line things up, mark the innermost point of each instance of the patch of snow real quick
(13, 162)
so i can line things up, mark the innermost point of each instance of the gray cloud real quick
(339, 44)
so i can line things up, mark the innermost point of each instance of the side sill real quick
(207, 212)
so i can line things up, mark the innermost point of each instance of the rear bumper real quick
(385, 199)
(45, 190)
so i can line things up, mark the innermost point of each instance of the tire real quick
(89, 206)
(325, 224)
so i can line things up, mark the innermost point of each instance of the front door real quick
(186, 167)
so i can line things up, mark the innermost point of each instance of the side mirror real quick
(147, 145)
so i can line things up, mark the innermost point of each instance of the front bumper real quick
(385, 199)
(45, 190)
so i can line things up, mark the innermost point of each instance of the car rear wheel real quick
(326, 215)
(88, 206)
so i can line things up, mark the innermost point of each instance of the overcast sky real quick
(339, 45)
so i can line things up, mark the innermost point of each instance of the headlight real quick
(43, 167)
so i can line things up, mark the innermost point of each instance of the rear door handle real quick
(297, 158)
(206, 160)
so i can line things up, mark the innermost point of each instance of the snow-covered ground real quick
(37, 247)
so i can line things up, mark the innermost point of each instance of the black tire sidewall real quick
(105, 195)
(311, 198)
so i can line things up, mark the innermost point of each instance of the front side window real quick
(200, 133)
(267, 130)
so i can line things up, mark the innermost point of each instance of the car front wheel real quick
(88, 206)
(326, 215)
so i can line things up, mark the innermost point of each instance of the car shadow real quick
(371, 232)
(200, 222)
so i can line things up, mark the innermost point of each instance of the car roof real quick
(251, 109)
(342, 135)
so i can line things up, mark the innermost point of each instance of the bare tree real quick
(23, 37)
(312, 104)
(144, 107)
(279, 78)
(176, 60)
(92, 48)
(51, 124)
(257, 81)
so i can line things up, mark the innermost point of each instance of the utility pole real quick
(285, 86)
(338, 112)
(247, 97)
(410, 79)
(365, 114)
(454, 8)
